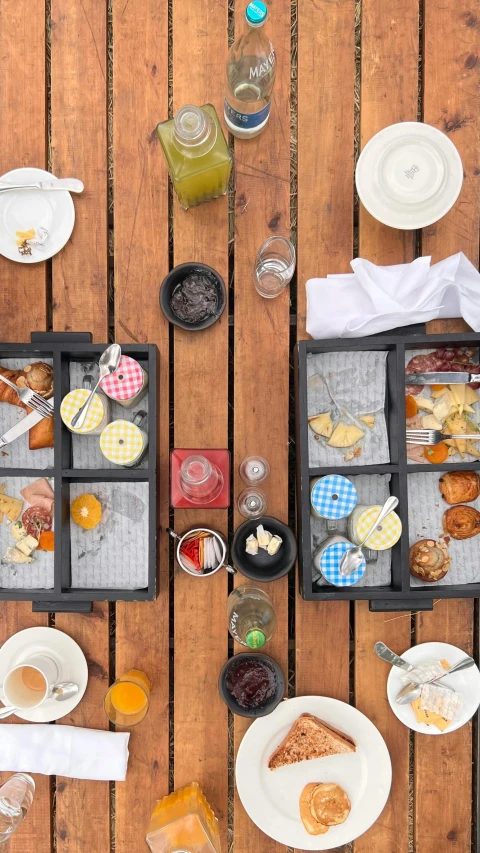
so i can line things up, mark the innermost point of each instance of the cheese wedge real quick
(471, 396)
(11, 507)
(430, 422)
(424, 403)
(441, 409)
(27, 545)
(458, 394)
(456, 425)
(437, 394)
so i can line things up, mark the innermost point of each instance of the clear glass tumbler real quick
(127, 700)
(200, 481)
(16, 797)
(274, 266)
(254, 469)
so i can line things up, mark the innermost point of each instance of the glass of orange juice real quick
(126, 702)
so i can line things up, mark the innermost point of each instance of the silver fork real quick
(433, 436)
(31, 398)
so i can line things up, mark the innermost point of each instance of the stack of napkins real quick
(373, 299)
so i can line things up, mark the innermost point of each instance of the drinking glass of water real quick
(274, 266)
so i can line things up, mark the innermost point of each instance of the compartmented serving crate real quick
(63, 595)
(401, 593)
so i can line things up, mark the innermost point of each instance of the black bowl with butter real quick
(263, 566)
(251, 684)
(193, 296)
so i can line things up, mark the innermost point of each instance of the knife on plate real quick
(23, 426)
(452, 378)
(73, 185)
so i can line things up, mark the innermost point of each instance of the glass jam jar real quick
(98, 414)
(327, 559)
(332, 498)
(384, 536)
(124, 442)
(128, 384)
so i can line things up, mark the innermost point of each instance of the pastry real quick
(462, 522)
(38, 377)
(429, 560)
(460, 487)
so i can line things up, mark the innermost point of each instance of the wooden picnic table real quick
(83, 84)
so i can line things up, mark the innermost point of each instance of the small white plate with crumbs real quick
(349, 752)
(466, 683)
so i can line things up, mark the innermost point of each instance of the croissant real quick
(429, 560)
(462, 522)
(38, 377)
(459, 487)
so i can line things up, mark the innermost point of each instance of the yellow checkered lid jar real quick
(124, 442)
(98, 414)
(384, 536)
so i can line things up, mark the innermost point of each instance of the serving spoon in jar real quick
(352, 558)
(108, 363)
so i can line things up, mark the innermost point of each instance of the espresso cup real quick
(27, 685)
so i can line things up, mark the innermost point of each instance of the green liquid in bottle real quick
(197, 155)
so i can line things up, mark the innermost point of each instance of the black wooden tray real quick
(399, 594)
(63, 348)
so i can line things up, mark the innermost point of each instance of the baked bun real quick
(462, 522)
(460, 487)
(429, 560)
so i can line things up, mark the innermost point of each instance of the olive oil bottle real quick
(197, 155)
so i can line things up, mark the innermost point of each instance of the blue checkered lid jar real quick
(333, 497)
(330, 565)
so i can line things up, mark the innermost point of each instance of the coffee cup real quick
(28, 684)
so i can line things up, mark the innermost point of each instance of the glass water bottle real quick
(16, 797)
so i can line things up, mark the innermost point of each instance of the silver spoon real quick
(60, 692)
(412, 691)
(353, 557)
(109, 361)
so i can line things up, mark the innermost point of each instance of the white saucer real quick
(24, 209)
(466, 682)
(409, 175)
(68, 656)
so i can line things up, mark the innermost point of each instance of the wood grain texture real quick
(140, 75)
(80, 298)
(443, 765)
(79, 150)
(388, 94)
(22, 56)
(390, 832)
(261, 342)
(201, 421)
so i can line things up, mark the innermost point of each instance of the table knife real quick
(441, 378)
(23, 426)
(73, 185)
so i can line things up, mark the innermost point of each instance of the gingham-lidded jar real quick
(98, 414)
(332, 497)
(327, 560)
(127, 384)
(384, 537)
(124, 442)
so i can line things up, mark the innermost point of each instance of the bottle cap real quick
(256, 13)
(190, 125)
(255, 638)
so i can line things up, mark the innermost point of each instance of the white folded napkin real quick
(64, 751)
(373, 298)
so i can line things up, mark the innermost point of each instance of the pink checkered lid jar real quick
(127, 384)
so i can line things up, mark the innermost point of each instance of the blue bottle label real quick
(246, 120)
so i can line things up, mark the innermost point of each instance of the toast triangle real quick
(310, 738)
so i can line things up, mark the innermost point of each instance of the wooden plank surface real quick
(140, 75)
(326, 72)
(450, 102)
(23, 110)
(201, 421)
(80, 288)
(388, 94)
(261, 342)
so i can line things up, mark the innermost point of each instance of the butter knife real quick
(441, 378)
(73, 185)
(23, 426)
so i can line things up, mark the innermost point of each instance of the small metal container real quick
(180, 538)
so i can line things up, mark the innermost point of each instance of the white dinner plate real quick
(409, 175)
(24, 209)
(466, 682)
(66, 653)
(271, 797)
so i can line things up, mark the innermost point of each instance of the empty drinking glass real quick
(16, 797)
(274, 266)
(254, 469)
(252, 503)
(200, 481)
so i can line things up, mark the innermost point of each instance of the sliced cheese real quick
(11, 507)
(437, 394)
(27, 545)
(458, 394)
(18, 531)
(441, 409)
(420, 714)
(441, 722)
(252, 545)
(469, 409)
(471, 396)
(13, 555)
(424, 403)
(430, 422)
(469, 447)
(263, 537)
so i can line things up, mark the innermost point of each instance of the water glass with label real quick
(274, 266)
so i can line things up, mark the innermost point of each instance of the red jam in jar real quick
(251, 682)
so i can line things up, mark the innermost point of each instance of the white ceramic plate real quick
(24, 209)
(466, 682)
(66, 653)
(271, 797)
(409, 175)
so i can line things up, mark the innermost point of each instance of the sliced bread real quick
(310, 738)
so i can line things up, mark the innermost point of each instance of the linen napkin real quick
(64, 751)
(375, 298)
